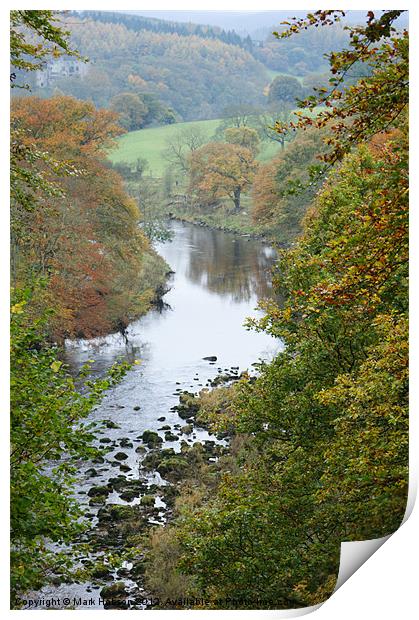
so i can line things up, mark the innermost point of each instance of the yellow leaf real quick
(55, 366)
(18, 308)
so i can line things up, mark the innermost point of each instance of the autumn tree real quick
(88, 242)
(221, 170)
(246, 137)
(274, 199)
(182, 144)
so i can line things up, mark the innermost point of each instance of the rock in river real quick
(121, 456)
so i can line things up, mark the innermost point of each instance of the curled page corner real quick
(411, 498)
(354, 554)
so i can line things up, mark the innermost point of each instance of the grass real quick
(151, 143)
(224, 218)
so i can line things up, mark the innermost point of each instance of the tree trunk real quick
(236, 199)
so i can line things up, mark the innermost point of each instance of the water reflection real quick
(217, 282)
(234, 267)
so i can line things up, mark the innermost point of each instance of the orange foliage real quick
(221, 169)
(86, 242)
(65, 126)
(265, 193)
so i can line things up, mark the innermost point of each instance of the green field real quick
(150, 143)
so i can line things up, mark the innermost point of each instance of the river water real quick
(217, 282)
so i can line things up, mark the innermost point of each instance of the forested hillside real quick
(302, 54)
(138, 22)
(197, 77)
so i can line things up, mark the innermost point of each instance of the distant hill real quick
(257, 24)
(185, 65)
(139, 22)
(195, 75)
(243, 22)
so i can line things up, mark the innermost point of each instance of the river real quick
(217, 281)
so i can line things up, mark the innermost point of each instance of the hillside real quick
(197, 77)
(150, 143)
(138, 22)
(257, 24)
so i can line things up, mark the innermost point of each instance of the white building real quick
(58, 69)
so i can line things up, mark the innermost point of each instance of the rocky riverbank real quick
(123, 503)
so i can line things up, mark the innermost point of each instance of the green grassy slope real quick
(150, 143)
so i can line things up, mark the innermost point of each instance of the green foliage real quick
(286, 90)
(137, 110)
(131, 109)
(48, 437)
(327, 458)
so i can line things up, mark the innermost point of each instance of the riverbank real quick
(154, 277)
(149, 427)
(144, 294)
(222, 219)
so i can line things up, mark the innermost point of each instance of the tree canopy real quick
(286, 90)
(221, 169)
(324, 427)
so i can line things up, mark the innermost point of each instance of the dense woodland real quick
(318, 443)
(195, 71)
(195, 76)
(138, 22)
